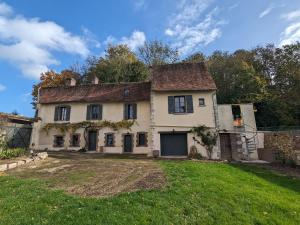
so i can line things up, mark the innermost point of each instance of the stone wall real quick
(276, 143)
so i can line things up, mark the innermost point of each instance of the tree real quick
(157, 53)
(236, 78)
(195, 58)
(51, 79)
(119, 64)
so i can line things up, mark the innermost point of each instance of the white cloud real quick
(30, 43)
(136, 40)
(190, 29)
(291, 15)
(266, 12)
(5, 9)
(291, 34)
(2, 87)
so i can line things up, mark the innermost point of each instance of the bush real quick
(194, 154)
(11, 153)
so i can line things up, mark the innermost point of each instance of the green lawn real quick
(197, 193)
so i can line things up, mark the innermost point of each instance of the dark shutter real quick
(88, 112)
(171, 104)
(189, 104)
(68, 113)
(100, 112)
(134, 111)
(56, 113)
(125, 112)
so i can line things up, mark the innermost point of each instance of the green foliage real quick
(9, 153)
(3, 143)
(157, 53)
(119, 64)
(194, 154)
(73, 127)
(208, 138)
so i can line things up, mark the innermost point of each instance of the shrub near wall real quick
(11, 153)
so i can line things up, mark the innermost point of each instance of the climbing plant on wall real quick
(73, 127)
(208, 138)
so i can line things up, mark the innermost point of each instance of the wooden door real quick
(92, 140)
(226, 153)
(127, 143)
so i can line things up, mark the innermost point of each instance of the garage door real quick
(173, 144)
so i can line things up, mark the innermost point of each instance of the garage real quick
(173, 144)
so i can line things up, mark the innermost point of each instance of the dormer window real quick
(126, 93)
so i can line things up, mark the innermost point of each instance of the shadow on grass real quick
(288, 182)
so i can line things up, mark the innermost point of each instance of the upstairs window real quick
(94, 112)
(130, 111)
(109, 140)
(62, 113)
(201, 102)
(58, 141)
(180, 104)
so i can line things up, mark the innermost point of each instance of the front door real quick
(225, 143)
(92, 140)
(127, 143)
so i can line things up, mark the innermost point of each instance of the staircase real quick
(250, 144)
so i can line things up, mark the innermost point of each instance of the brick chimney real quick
(95, 80)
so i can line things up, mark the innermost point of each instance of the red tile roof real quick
(172, 77)
(138, 91)
(182, 77)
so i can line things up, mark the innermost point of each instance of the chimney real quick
(95, 80)
(73, 82)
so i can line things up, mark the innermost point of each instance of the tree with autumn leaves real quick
(268, 76)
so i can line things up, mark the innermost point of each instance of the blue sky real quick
(39, 35)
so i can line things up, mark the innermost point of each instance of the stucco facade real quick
(177, 98)
(111, 112)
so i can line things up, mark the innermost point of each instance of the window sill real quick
(202, 105)
(109, 146)
(142, 146)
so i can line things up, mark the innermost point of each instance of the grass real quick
(197, 193)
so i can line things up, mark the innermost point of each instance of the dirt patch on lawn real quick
(93, 175)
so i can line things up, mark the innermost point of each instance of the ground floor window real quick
(109, 139)
(142, 139)
(75, 140)
(58, 141)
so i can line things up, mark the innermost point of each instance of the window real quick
(109, 140)
(237, 115)
(129, 111)
(142, 139)
(180, 104)
(126, 92)
(201, 102)
(59, 141)
(75, 140)
(94, 112)
(62, 113)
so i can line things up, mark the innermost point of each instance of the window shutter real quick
(100, 112)
(134, 111)
(56, 113)
(125, 112)
(68, 112)
(189, 104)
(171, 104)
(88, 112)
